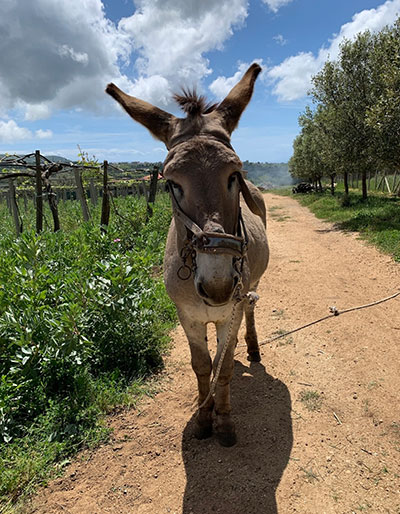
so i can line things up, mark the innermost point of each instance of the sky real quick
(57, 56)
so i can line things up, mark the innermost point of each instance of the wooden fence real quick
(376, 181)
(40, 174)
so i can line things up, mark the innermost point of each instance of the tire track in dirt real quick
(318, 420)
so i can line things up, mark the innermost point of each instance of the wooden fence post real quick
(152, 191)
(81, 194)
(52, 199)
(39, 194)
(93, 192)
(14, 207)
(105, 206)
(394, 181)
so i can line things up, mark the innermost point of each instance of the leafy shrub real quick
(81, 313)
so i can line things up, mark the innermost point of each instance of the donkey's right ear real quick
(160, 123)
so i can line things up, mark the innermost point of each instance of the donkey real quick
(217, 247)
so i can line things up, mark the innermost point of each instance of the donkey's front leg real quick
(224, 425)
(196, 333)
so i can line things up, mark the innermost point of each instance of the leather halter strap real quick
(211, 242)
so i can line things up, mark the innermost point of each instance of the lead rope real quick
(251, 297)
(334, 312)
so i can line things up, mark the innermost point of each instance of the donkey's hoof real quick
(227, 438)
(203, 424)
(202, 431)
(254, 356)
(225, 430)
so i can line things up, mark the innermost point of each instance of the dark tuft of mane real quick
(193, 104)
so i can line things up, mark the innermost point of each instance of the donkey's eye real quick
(176, 188)
(231, 180)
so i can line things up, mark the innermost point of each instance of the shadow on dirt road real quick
(244, 478)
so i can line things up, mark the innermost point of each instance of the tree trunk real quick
(346, 183)
(332, 185)
(364, 185)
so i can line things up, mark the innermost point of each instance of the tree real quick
(346, 91)
(383, 116)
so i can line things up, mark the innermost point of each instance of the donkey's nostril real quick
(201, 290)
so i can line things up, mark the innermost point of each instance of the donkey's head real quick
(205, 179)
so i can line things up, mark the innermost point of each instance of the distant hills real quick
(268, 175)
(265, 174)
(31, 160)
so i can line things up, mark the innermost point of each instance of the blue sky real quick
(56, 57)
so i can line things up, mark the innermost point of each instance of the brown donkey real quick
(217, 248)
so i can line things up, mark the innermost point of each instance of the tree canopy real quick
(354, 125)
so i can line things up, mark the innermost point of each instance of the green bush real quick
(82, 315)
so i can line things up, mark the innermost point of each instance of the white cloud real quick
(275, 5)
(171, 38)
(221, 86)
(60, 54)
(292, 78)
(57, 54)
(10, 132)
(43, 134)
(37, 112)
(280, 39)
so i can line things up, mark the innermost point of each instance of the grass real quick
(311, 399)
(377, 219)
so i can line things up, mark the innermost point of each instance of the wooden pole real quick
(105, 206)
(52, 199)
(152, 191)
(81, 194)
(93, 192)
(394, 181)
(39, 194)
(14, 207)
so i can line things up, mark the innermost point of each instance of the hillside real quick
(268, 174)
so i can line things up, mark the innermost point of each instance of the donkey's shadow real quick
(244, 478)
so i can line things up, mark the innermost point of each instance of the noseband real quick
(214, 243)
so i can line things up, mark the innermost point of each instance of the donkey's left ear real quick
(257, 207)
(160, 123)
(236, 102)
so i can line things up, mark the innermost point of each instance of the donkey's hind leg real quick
(253, 350)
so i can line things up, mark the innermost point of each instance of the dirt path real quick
(318, 421)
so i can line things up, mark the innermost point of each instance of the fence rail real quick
(40, 183)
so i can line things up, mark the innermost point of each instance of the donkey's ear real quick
(160, 123)
(252, 198)
(236, 102)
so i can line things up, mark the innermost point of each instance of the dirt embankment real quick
(318, 421)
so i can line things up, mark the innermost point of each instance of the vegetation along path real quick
(318, 421)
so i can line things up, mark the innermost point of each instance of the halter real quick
(214, 243)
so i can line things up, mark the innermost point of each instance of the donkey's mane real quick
(193, 104)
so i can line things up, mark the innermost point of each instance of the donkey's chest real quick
(203, 313)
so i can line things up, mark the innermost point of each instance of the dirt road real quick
(318, 421)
